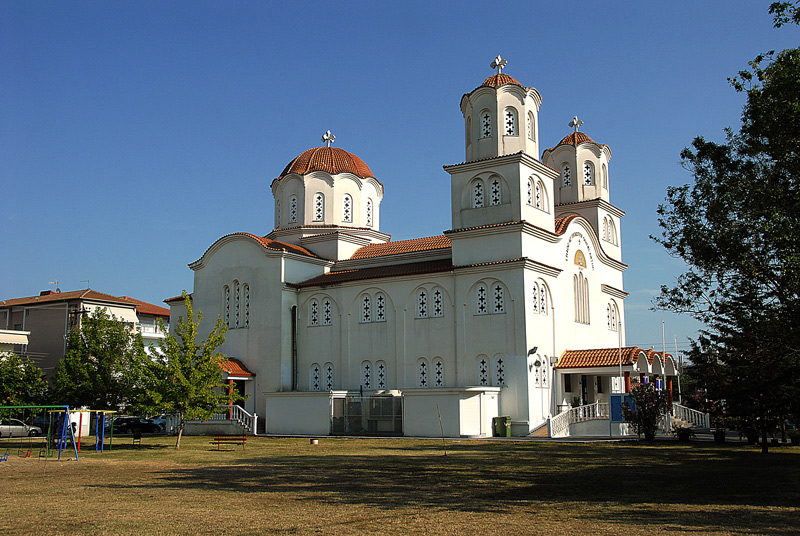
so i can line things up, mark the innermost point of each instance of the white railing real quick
(691, 416)
(236, 413)
(559, 425)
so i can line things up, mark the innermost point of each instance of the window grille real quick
(483, 371)
(380, 308)
(293, 209)
(477, 195)
(366, 309)
(314, 313)
(319, 207)
(438, 309)
(347, 208)
(328, 376)
(380, 375)
(495, 192)
(486, 125)
(499, 299)
(481, 305)
(326, 312)
(438, 372)
(316, 385)
(422, 373)
(422, 304)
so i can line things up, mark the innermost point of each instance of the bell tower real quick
(501, 117)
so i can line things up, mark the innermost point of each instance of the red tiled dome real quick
(330, 159)
(498, 80)
(575, 138)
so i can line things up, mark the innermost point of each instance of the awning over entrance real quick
(632, 359)
(235, 370)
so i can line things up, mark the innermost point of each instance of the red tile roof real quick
(344, 276)
(576, 138)
(603, 357)
(234, 367)
(268, 243)
(498, 80)
(86, 294)
(147, 308)
(330, 159)
(402, 246)
(176, 299)
(563, 222)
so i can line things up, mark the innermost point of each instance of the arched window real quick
(246, 291)
(543, 298)
(511, 122)
(530, 192)
(422, 372)
(538, 196)
(422, 304)
(477, 194)
(313, 313)
(566, 176)
(347, 208)
(612, 232)
(366, 375)
(588, 173)
(369, 212)
(380, 308)
(494, 192)
(438, 372)
(293, 209)
(499, 371)
(499, 299)
(531, 127)
(227, 292)
(605, 229)
(482, 307)
(366, 309)
(486, 124)
(540, 298)
(319, 207)
(542, 203)
(326, 312)
(328, 372)
(236, 304)
(483, 370)
(277, 213)
(380, 374)
(581, 291)
(605, 176)
(438, 303)
(468, 133)
(612, 312)
(315, 377)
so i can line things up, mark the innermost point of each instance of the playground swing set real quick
(64, 427)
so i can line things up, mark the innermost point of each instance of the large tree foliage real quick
(186, 376)
(737, 227)
(102, 365)
(22, 383)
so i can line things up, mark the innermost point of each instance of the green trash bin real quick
(501, 426)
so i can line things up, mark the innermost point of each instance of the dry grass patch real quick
(358, 486)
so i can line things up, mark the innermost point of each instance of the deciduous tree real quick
(21, 381)
(737, 227)
(102, 365)
(186, 376)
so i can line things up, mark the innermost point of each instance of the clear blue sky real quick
(134, 134)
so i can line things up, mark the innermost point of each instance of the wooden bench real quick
(229, 440)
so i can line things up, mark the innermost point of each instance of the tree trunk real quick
(180, 434)
(764, 442)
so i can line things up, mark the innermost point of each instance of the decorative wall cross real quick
(498, 64)
(328, 138)
(575, 123)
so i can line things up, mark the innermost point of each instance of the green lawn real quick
(359, 486)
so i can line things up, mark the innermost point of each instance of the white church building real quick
(514, 311)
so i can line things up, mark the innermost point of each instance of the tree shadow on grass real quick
(689, 488)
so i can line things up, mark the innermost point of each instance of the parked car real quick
(161, 420)
(128, 425)
(17, 428)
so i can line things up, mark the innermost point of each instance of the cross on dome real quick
(575, 123)
(328, 138)
(498, 64)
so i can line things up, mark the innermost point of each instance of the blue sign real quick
(615, 405)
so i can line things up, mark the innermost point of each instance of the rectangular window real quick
(568, 383)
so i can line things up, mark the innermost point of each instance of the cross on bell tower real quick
(498, 63)
(575, 123)
(328, 138)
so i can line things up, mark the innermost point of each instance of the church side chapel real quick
(515, 311)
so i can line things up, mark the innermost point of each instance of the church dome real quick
(329, 159)
(498, 80)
